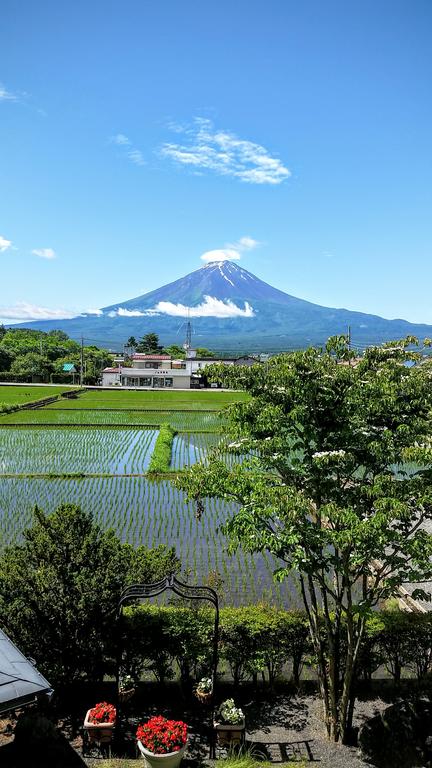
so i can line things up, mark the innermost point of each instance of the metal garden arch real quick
(140, 592)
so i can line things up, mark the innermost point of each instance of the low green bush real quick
(161, 456)
(263, 641)
(253, 640)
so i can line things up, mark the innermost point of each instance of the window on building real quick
(168, 382)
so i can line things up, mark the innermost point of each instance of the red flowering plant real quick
(161, 736)
(102, 713)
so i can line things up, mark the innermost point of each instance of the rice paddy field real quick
(14, 395)
(107, 438)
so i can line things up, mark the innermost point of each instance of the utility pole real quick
(82, 362)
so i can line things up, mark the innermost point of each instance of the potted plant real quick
(162, 742)
(229, 723)
(126, 688)
(204, 690)
(100, 722)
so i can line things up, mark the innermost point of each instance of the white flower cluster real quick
(205, 685)
(327, 454)
(238, 444)
(230, 713)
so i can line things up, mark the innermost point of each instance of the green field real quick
(19, 395)
(194, 399)
(103, 436)
(63, 451)
(206, 421)
(144, 512)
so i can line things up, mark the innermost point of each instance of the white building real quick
(161, 371)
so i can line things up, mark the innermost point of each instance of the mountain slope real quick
(231, 310)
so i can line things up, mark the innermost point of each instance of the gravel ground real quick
(293, 728)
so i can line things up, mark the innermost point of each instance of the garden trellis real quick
(139, 592)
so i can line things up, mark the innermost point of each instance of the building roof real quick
(69, 368)
(20, 682)
(111, 370)
(142, 356)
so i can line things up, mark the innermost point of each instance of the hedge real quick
(261, 640)
(161, 457)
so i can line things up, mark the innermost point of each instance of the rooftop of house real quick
(20, 682)
(142, 356)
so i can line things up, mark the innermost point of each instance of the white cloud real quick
(120, 139)
(25, 311)
(132, 153)
(44, 253)
(97, 312)
(136, 156)
(6, 95)
(226, 154)
(210, 307)
(129, 313)
(247, 243)
(4, 244)
(232, 251)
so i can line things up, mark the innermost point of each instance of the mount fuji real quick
(231, 310)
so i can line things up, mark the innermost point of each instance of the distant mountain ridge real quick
(230, 309)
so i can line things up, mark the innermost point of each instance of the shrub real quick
(161, 457)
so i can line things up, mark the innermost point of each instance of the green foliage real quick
(5, 359)
(59, 591)
(204, 352)
(149, 344)
(250, 758)
(175, 351)
(161, 458)
(28, 353)
(260, 639)
(21, 395)
(253, 639)
(321, 492)
(32, 364)
(8, 407)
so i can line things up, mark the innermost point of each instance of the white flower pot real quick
(102, 733)
(169, 760)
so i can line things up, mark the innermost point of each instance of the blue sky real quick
(136, 136)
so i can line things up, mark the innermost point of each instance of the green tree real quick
(329, 491)
(204, 352)
(32, 364)
(149, 344)
(59, 591)
(175, 351)
(5, 359)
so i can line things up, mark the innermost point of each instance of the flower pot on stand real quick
(168, 760)
(204, 698)
(228, 734)
(99, 734)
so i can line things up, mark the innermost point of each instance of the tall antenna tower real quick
(188, 341)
